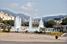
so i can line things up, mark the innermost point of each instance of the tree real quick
(6, 28)
(5, 22)
(64, 21)
(9, 22)
(25, 23)
(1, 20)
(45, 24)
(50, 23)
(57, 18)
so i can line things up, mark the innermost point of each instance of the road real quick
(7, 42)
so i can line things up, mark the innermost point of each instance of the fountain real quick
(41, 25)
(31, 29)
(30, 25)
(17, 24)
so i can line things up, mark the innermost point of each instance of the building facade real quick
(60, 28)
(5, 16)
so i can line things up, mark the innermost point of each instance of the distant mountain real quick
(8, 12)
(15, 14)
(25, 17)
(53, 17)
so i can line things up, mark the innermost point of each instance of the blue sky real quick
(36, 8)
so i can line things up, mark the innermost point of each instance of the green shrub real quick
(55, 33)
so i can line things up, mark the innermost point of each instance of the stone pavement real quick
(29, 37)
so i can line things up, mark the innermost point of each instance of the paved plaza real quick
(29, 37)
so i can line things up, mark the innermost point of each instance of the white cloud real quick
(13, 5)
(36, 10)
(28, 8)
(29, 4)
